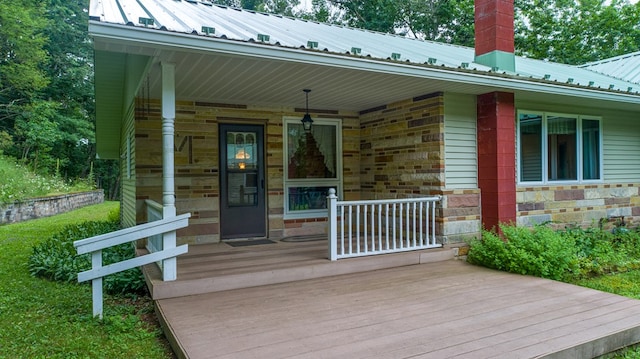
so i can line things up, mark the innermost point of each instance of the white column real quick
(169, 266)
(332, 205)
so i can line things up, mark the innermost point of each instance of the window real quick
(313, 165)
(558, 148)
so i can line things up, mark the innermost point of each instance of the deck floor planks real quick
(433, 310)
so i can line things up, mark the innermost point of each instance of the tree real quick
(575, 32)
(22, 58)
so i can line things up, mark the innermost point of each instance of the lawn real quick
(44, 319)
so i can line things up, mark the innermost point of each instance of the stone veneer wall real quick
(48, 206)
(197, 166)
(402, 150)
(582, 205)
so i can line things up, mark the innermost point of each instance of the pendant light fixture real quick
(306, 120)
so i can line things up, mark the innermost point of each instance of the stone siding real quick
(581, 205)
(402, 155)
(197, 177)
(460, 215)
(48, 206)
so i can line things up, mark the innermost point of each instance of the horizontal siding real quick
(461, 164)
(128, 205)
(621, 149)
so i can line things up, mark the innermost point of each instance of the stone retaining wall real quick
(48, 206)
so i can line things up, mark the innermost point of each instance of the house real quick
(215, 97)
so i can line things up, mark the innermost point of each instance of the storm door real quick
(242, 194)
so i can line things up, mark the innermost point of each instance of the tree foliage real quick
(575, 32)
(46, 87)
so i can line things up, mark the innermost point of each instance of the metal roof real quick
(231, 56)
(204, 19)
(624, 67)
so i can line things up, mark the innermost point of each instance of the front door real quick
(242, 194)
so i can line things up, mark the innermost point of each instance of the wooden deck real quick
(442, 309)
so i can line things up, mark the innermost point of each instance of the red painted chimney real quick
(496, 131)
(494, 34)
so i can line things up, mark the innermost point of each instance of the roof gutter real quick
(155, 38)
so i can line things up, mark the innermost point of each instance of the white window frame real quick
(545, 148)
(311, 182)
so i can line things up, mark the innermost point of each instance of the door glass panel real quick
(242, 167)
(241, 151)
(242, 189)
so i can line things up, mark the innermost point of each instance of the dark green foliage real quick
(56, 259)
(569, 254)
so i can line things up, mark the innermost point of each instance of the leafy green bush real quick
(539, 251)
(56, 259)
(568, 254)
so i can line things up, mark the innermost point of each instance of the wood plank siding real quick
(461, 163)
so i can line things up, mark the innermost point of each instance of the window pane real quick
(590, 149)
(530, 147)
(561, 142)
(313, 154)
(306, 198)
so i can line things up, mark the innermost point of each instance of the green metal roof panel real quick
(625, 67)
(195, 17)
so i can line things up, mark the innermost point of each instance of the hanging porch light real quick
(306, 120)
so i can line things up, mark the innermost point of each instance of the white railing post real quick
(96, 284)
(332, 204)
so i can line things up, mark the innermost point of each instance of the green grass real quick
(18, 183)
(626, 284)
(45, 319)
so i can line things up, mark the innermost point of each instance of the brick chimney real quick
(496, 131)
(494, 34)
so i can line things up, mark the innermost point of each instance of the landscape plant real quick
(48, 319)
(55, 258)
(570, 254)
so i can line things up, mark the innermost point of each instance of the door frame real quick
(231, 215)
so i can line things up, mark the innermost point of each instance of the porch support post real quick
(332, 205)
(497, 158)
(169, 266)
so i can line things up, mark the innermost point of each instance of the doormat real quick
(254, 242)
(307, 238)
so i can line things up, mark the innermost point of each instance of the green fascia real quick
(505, 61)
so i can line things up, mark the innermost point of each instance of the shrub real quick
(56, 259)
(539, 251)
(568, 254)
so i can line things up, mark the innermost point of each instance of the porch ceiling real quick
(227, 71)
(221, 77)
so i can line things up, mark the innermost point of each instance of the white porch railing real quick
(154, 213)
(95, 245)
(364, 228)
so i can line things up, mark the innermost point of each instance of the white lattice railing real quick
(364, 228)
